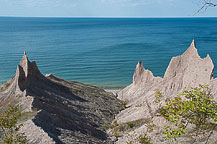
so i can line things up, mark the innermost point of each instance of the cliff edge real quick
(56, 110)
(184, 72)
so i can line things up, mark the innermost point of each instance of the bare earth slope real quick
(184, 71)
(66, 111)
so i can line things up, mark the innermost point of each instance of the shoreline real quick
(114, 91)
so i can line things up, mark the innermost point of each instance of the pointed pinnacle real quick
(193, 44)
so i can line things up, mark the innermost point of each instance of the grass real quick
(1, 88)
(150, 127)
(130, 124)
(144, 139)
(158, 96)
(123, 104)
(105, 126)
(129, 142)
(118, 128)
(139, 105)
(4, 86)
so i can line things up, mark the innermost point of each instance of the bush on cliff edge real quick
(194, 106)
(9, 126)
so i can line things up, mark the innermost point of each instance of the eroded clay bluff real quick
(184, 71)
(56, 110)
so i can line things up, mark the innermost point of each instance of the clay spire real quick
(24, 63)
(192, 50)
(138, 72)
(193, 44)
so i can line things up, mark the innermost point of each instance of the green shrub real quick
(158, 96)
(197, 108)
(139, 105)
(105, 126)
(10, 127)
(130, 124)
(121, 127)
(116, 128)
(129, 142)
(144, 139)
(114, 124)
(1, 88)
(123, 104)
(150, 127)
(6, 84)
(115, 132)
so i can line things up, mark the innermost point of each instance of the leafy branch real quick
(10, 128)
(196, 107)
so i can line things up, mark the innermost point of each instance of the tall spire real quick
(193, 43)
(138, 72)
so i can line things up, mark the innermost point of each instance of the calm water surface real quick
(102, 51)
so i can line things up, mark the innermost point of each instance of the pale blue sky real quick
(102, 8)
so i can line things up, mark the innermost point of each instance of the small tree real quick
(9, 126)
(197, 108)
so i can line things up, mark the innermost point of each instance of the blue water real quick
(102, 51)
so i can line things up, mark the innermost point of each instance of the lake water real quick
(102, 51)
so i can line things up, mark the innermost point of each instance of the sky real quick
(103, 8)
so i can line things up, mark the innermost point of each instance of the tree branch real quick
(210, 134)
(205, 5)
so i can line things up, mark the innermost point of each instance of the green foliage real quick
(130, 124)
(117, 128)
(158, 96)
(114, 124)
(144, 139)
(129, 142)
(1, 88)
(115, 132)
(4, 86)
(150, 127)
(105, 126)
(9, 126)
(195, 106)
(19, 96)
(123, 104)
(139, 105)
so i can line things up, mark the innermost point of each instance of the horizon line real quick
(110, 16)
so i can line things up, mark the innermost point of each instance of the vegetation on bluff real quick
(9, 126)
(194, 107)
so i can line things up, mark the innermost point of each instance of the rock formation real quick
(61, 111)
(184, 71)
(188, 70)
